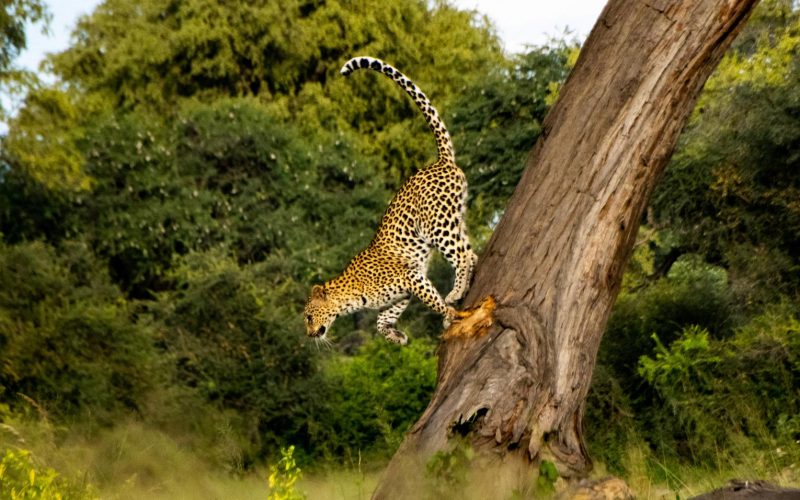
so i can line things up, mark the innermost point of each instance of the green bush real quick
(711, 391)
(376, 396)
(235, 336)
(69, 339)
(609, 421)
(22, 479)
(226, 175)
(692, 293)
(682, 369)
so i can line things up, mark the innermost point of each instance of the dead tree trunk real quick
(555, 261)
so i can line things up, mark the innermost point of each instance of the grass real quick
(656, 478)
(341, 484)
(133, 461)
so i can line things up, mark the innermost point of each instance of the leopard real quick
(427, 213)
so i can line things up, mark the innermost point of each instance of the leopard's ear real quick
(318, 292)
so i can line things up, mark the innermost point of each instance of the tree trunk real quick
(555, 262)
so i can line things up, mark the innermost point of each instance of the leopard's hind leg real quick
(453, 243)
(464, 263)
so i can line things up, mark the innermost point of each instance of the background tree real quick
(731, 191)
(153, 54)
(520, 389)
(496, 121)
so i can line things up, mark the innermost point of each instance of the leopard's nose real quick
(321, 331)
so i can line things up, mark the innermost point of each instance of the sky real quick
(518, 22)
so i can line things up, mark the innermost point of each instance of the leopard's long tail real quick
(444, 144)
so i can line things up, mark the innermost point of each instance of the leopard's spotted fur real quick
(427, 213)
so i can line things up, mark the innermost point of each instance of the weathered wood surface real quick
(555, 261)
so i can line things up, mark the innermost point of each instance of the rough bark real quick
(555, 262)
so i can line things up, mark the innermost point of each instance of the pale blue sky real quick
(519, 22)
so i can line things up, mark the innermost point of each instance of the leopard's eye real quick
(308, 318)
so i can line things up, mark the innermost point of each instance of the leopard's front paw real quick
(449, 316)
(453, 314)
(396, 337)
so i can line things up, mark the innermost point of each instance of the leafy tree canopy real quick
(43, 141)
(151, 54)
(732, 189)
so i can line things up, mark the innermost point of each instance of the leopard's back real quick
(426, 211)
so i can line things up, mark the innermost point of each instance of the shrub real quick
(692, 293)
(224, 175)
(70, 342)
(609, 421)
(22, 479)
(376, 396)
(714, 390)
(235, 336)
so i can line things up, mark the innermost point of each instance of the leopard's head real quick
(320, 312)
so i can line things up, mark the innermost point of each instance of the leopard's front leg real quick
(464, 264)
(387, 319)
(421, 286)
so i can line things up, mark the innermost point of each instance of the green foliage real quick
(610, 421)
(235, 336)
(684, 365)
(15, 17)
(703, 401)
(692, 293)
(546, 481)
(283, 477)
(32, 211)
(147, 54)
(732, 187)
(228, 175)
(747, 384)
(22, 479)
(376, 396)
(68, 336)
(676, 397)
(56, 163)
(208, 48)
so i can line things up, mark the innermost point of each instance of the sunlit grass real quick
(133, 461)
(652, 477)
(342, 484)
